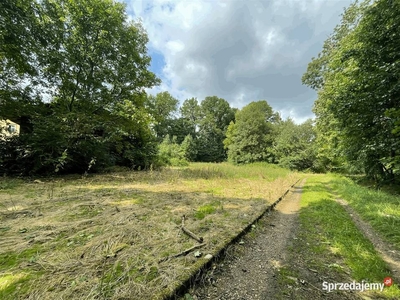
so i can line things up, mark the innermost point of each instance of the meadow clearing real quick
(106, 236)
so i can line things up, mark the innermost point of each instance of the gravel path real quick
(250, 274)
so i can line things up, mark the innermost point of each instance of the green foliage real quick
(90, 65)
(357, 106)
(170, 153)
(162, 108)
(189, 148)
(191, 111)
(250, 138)
(294, 147)
(215, 116)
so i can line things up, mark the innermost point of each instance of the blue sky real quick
(239, 50)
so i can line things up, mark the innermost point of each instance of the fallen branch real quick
(189, 233)
(184, 252)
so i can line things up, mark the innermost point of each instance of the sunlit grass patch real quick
(379, 208)
(331, 233)
(11, 282)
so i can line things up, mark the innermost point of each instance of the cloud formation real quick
(241, 51)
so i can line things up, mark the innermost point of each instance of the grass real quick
(381, 209)
(329, 241)
(102, 236)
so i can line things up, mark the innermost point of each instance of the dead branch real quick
(189, 233)
(184, 252)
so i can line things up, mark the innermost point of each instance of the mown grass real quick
(333, 238)
(102, 236)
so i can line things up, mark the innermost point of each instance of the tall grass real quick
(226, 170)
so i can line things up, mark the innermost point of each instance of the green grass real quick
(9, 184)
(379, 208)
(226, 170)
(331, 233)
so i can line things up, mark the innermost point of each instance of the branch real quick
(189, 233)
(184, 252)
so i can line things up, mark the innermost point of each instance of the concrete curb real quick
(187, 283)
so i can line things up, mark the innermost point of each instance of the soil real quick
(252, 269)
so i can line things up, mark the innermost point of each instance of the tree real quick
(171, 153)
(216, 114)
(293, 146)
(162, 108)
(91, 64)
(360, 93)
(19, 35)
(189, 148)
(191, 111)
(249, 138)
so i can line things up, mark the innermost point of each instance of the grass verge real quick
(381, 209)
(330, 248)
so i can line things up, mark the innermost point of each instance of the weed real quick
(203, 211)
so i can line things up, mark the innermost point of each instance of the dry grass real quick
(101, 237)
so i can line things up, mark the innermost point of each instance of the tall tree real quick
(91, 64)
(190, 110)
(216, 114)
(163, 108)
(360, 91)
(249, 138)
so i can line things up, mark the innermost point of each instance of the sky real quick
(238, 50)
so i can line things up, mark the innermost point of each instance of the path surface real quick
(390, 255)
(252, 274)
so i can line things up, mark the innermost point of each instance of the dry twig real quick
(189, 233)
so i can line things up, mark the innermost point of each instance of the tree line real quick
(73, 76)
(74, 73)
(357, 76)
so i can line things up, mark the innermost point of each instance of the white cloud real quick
(175, 46)
(242, 51)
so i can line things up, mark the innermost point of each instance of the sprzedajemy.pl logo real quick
(356, 286)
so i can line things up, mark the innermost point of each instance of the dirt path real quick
(250, 271)
(387, 251)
